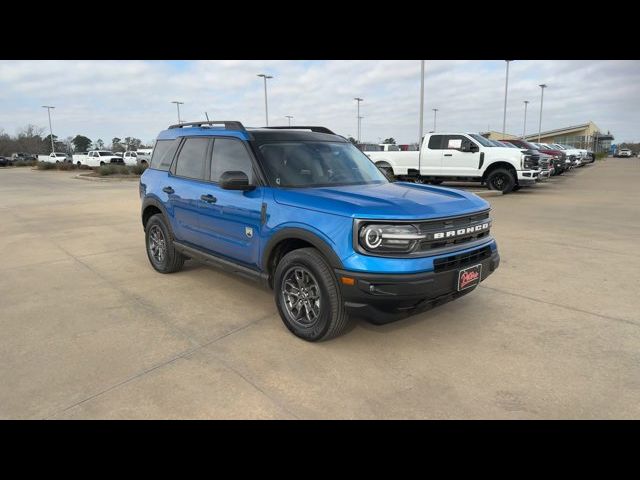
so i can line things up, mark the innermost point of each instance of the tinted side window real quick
(190, 161)
(230, 155)
(163, 153)
(435, 142)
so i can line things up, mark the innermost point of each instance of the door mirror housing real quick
(235, 180)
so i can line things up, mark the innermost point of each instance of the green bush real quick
(46, 166)
(601, 155)
(66, 166)
(25, 163)
(138, 169)
(112, 169)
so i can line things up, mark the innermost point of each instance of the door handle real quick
(168, 190)
(448, 154)
(208, 198)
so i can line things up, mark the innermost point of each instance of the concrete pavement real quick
(89, 330)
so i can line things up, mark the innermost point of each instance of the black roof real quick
(281, 134)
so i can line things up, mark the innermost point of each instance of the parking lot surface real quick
(90, 330)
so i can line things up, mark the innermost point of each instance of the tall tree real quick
(81, 143)
(99, 144)
(390, 140)
(353, 140)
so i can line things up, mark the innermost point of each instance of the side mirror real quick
(235, 180)
(469, 147)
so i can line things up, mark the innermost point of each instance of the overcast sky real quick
(106, 99)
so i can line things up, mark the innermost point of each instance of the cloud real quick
(104, 99)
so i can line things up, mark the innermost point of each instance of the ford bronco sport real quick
(306, 213)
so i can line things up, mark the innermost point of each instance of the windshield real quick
(481, 140)
(507, 144)
(318, 164)
(61, 154)
(106, 154)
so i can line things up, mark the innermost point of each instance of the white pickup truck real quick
(95, 158)
(461, 157)
(142, 156)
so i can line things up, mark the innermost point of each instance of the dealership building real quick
(586, 135)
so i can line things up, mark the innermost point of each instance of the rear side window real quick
(230, 155)
(163, 153)
(190, 162)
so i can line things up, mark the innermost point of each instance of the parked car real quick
(5, 162)
(624, 152)
(96, 158)
(306, 213)
(130, 158)
(575, 154)
(543, 160)
(370, 147)
(144, 156)
(557, 165)
(586, 156)
(22, 156)
(567, 162)
(461, 157)
(59, 157)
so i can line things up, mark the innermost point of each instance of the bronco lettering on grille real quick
(461, 231)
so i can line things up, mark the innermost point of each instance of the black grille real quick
(433, 229)
(461, 260)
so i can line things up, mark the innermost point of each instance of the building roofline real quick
(559, 130)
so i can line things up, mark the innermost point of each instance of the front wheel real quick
(501, 179)
(308, 297)
(162, 254)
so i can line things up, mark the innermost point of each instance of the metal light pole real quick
(289, 117)
(359, 127)
(178, 105)
(266, 106)
(358, 117)
(524, 129)
(542, 87)
(421, 131)
(435, 112)
(50, 129)
(504, 117)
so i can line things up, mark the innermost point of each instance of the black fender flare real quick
(299, 234)
(154, 202)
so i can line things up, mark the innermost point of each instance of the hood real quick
(508, 152)
(393, 201)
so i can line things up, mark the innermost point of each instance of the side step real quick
(221, 263)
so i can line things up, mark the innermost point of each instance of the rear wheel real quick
(308, 297)
(101, 163)
(501, 179)
(162, 254)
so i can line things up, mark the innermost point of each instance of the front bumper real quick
(528, 177)
(383, 298)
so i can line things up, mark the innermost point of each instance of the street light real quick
(50, 129)
(358, 117)
(266, 107)
(524, 129)
(506, 86)
(542, 87)
(359, 127)
(178, 105)
(435, 112)
(289, 117)
(421, 132)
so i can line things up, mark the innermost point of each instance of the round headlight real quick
(372, 236)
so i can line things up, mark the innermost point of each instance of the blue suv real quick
(306, 213)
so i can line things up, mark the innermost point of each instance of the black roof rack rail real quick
(229, 125)
(304, 127)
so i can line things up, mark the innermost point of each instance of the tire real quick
(305, 271)
(501, 179)
(79, 163)
(164, 258)
(144, 163)
(101, 163)
(516, 188)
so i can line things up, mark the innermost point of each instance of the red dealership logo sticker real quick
(469, 277)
